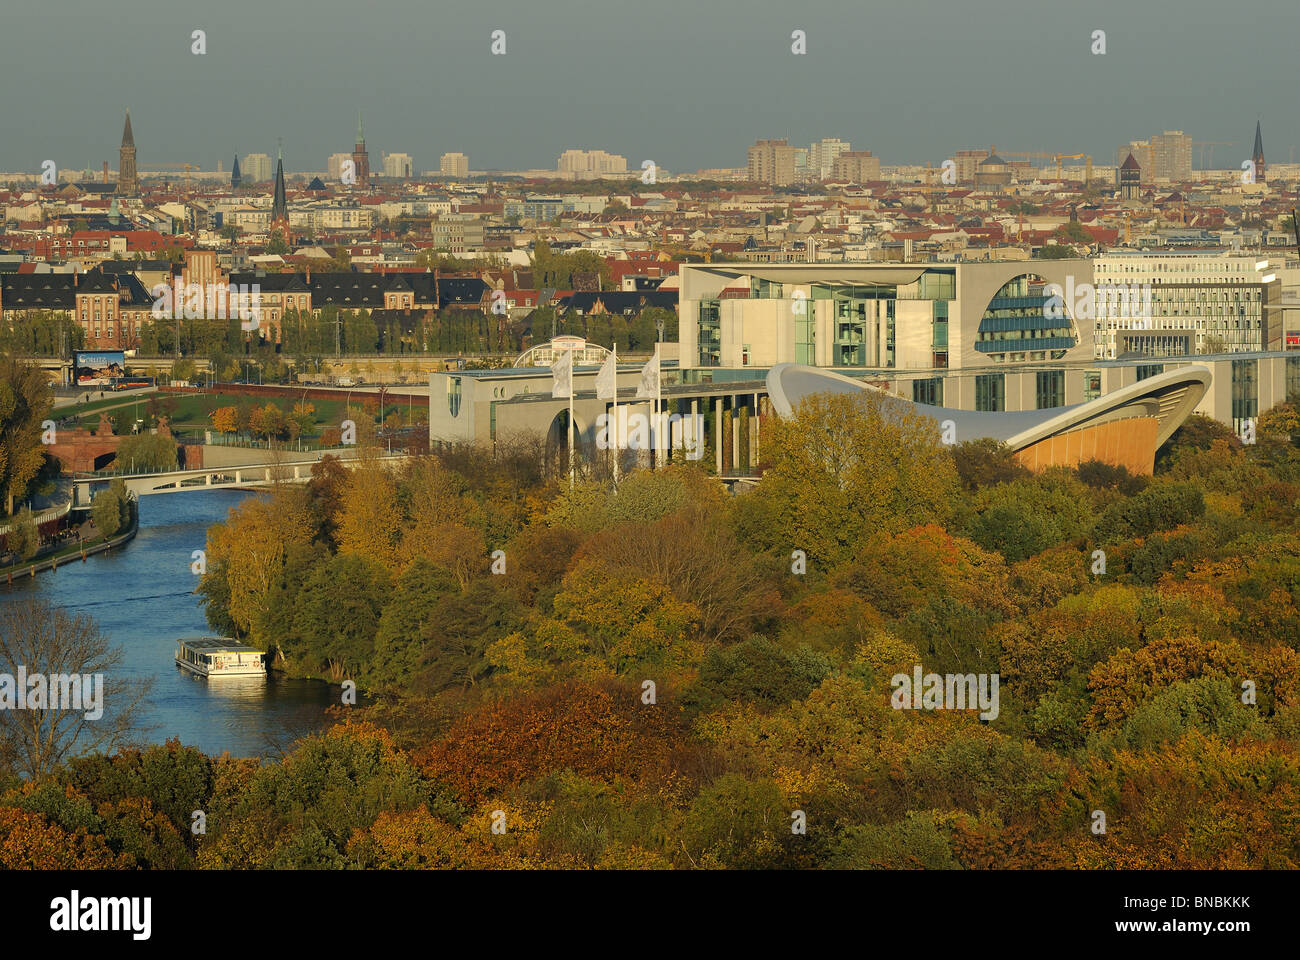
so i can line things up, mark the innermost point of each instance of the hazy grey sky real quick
(686, 83)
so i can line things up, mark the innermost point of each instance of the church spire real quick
(279, 205)
(361, 131)
(127, 181)
(1257, 155)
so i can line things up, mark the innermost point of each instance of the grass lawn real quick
(192, 411)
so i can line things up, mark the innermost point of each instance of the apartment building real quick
(772, 162)
(858, 166)
(590, 164)
(256, 168)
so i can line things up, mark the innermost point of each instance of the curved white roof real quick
(1168, 397)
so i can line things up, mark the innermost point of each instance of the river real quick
(142, 596)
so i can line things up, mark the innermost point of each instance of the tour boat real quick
(219, 657)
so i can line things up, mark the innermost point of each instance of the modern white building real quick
(1173, 304)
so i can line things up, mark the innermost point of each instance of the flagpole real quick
(572, 387)
(618, 440)
(660, 457)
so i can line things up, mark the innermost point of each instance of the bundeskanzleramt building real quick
(1202, 302)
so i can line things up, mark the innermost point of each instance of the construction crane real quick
(187, 167)
(1211, 144)
(1087, 176)
(1055, 158)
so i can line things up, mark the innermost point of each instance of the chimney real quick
(105, 171)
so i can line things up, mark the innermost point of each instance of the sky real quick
(686, 83)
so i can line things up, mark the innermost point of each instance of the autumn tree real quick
(25, 399)
(246, 553)
(370, 518)
(843, 466)
(225, 419)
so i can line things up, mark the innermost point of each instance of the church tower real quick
(360, 158)
(127, 181)
(1257, 155)
(235, 177)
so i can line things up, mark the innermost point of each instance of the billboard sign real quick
(93, 368)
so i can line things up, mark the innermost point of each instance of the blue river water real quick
(142, 596)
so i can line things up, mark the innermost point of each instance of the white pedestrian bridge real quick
(245, 477)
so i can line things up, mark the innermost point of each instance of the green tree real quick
(146, 452)
(24, 536)
(111, 509)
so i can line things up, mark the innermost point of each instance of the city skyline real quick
(733, 80)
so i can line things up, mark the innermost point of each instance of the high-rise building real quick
(772, 162)
(334, 165)
(1171, 152)
(454, 165)
(858, 166)
(360, 158)
(590, 164)
(398, 166)
(257, 168)
(822, 155)
(127, 181)
(967, 164)
(1257, 155)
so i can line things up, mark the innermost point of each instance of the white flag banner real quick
(649, 386)
(607, 380)
(562, 370)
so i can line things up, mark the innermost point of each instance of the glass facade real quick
(1049, 389)
(1245, 392)
(1023, 317)
(710, 336)
(929, 390)
(805, 333)
(1149, 370)
(991, 392)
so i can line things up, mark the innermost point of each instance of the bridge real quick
(244, 477)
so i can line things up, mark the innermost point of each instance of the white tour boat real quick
(219, 657)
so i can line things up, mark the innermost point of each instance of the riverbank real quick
(50, 561)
